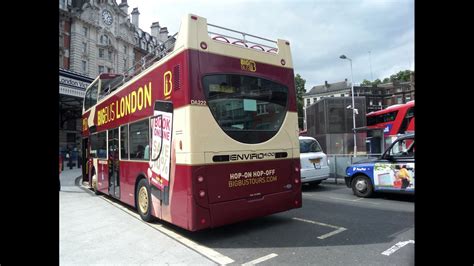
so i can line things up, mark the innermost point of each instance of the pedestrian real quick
(69, 158)
(79, 159)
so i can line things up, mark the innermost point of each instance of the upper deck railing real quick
(243, 41)
(225, 36)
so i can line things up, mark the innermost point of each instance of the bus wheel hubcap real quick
(143, 200)
(361, 185)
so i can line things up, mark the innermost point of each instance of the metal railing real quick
(168, 46)
(243, 40)
(145, 62)
(154, 56)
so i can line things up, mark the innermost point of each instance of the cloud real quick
(319, 31)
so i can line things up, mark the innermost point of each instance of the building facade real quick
(377, 97)
(96, 36)
(331, 123)
(338, 89)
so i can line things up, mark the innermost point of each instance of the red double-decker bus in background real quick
(206, 135)
(394, 120)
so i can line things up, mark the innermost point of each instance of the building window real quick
(101, 69)
(315, 99)
(61, 61)
(307, 101)
(85, 31)
(342, 95)
(71, 137)
(371, 102)
(104, 39)
(101, 53)
(124, 64)
(110, 54)
(380, 103)
(84, 66)
(109, 70)
(84, 47)
(399, 99)
(262, 109)
(125, 49)
(408, 98)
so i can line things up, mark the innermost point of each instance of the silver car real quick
(314, 162)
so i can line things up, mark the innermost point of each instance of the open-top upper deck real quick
(196, 34)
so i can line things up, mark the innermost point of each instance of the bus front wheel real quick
(362, 187)
(144, 200)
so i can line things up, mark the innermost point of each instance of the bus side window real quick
(139, 139)
(124, 142)
(99, 145)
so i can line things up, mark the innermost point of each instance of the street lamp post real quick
(353, 105)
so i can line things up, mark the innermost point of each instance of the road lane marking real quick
(332, 233)
(335, 198)
(339, 228)
(396, 247)
(264, 258)
(203, 250)
(354, 200)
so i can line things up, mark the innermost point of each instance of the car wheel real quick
(143, 199)
(362, 186)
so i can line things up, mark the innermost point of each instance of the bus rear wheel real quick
(143, 199)
(362, 187)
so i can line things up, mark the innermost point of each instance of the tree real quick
(401, 76)
(300, 90)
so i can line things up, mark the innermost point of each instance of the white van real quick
(314, 162)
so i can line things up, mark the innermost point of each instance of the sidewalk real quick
(69, 176)
(92, 231)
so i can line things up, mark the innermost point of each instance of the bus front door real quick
(113, 163)
(85, 156)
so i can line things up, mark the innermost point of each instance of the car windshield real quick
(309, 145)
(404, 147)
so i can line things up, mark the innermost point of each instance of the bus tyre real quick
(143, 199)
(362, 187)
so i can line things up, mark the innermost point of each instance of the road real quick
(333, 227)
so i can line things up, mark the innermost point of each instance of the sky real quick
(378, 35)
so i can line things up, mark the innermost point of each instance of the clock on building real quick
(107, 17)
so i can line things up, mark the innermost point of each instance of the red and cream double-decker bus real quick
(394, 120)
(206, 135)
